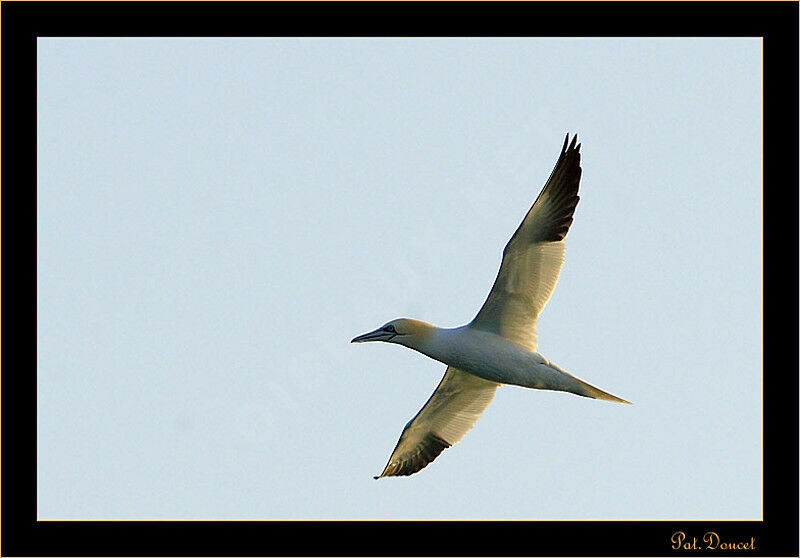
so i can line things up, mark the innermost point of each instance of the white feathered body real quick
(495, 358)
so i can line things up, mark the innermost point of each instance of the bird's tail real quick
(567, 382)
(588, 390)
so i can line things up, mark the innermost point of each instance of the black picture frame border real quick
(23, 22)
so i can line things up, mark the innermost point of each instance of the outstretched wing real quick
(450, 412)
(533, 257)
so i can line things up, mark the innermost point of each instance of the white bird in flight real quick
(499, 345)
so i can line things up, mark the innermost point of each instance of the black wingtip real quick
(570, 145)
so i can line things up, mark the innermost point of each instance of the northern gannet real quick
(499, 345)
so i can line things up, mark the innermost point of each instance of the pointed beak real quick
(377, 335)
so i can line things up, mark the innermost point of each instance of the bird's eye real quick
(390, 329)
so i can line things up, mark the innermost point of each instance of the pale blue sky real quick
(218, 218)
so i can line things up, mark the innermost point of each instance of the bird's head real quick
(403, 331)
